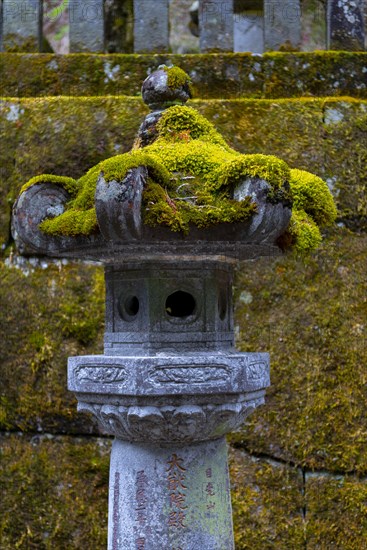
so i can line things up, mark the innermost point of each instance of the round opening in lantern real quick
(180, 304)
(128, 307)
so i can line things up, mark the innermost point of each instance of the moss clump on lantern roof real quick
(176, 78)
(189, 146)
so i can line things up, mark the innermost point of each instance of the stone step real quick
(271, 75)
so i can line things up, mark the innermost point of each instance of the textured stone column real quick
(183, 491)
(151, 26)
(21, 26)
(282, 24)
(216, 25)
(86, 19)
(345, 25)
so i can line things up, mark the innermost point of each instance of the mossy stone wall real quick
(271, 75)
(299, 465)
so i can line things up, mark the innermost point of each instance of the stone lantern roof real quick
(181, 190)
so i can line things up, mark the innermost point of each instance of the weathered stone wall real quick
(299, 466)
(215, 76)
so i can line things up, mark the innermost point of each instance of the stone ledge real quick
(272, 75)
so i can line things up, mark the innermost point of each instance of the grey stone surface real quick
(183, 490)
(151, 26)
(161, 323)
(249, 32)
(86, 20)
(131, 239)
(169, 423)
(216, 26)
(195, 375)
(282, 24)
(345, 25)
(21, 25)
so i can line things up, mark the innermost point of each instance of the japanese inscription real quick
(141, 498)
(141, 505)
(177, 492)
(209, 489)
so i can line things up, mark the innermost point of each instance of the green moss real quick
(272, 169)
(16, 43)
(116, 168)
(311, 194)
(267, 504)
(69, 135)
(72, 222)
(185, 123)
(189, 145)
(177, 78)
(311, 317)
(336, 512)
(304, 233)
(46, 316)
(43, 479)
(69, 184)
(232, 75)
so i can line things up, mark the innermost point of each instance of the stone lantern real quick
(170, 384)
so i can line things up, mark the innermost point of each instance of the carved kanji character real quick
(178, 499)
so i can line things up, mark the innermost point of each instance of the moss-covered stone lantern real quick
(169, 220)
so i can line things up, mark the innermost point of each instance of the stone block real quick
(86, 26)
(282, 24)
(345, 25)
(21, 26)
(151, 26)
(216, 26)
(248, 32)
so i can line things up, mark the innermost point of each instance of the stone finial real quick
(166, 86)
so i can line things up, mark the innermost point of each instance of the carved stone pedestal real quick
(170, 497)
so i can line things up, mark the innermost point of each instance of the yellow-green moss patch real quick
(311, 318)
(54, 492)
(336, 512)
(189, 145)
(69, 184)
(46, 316)
(267, 504)
(176, 78)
